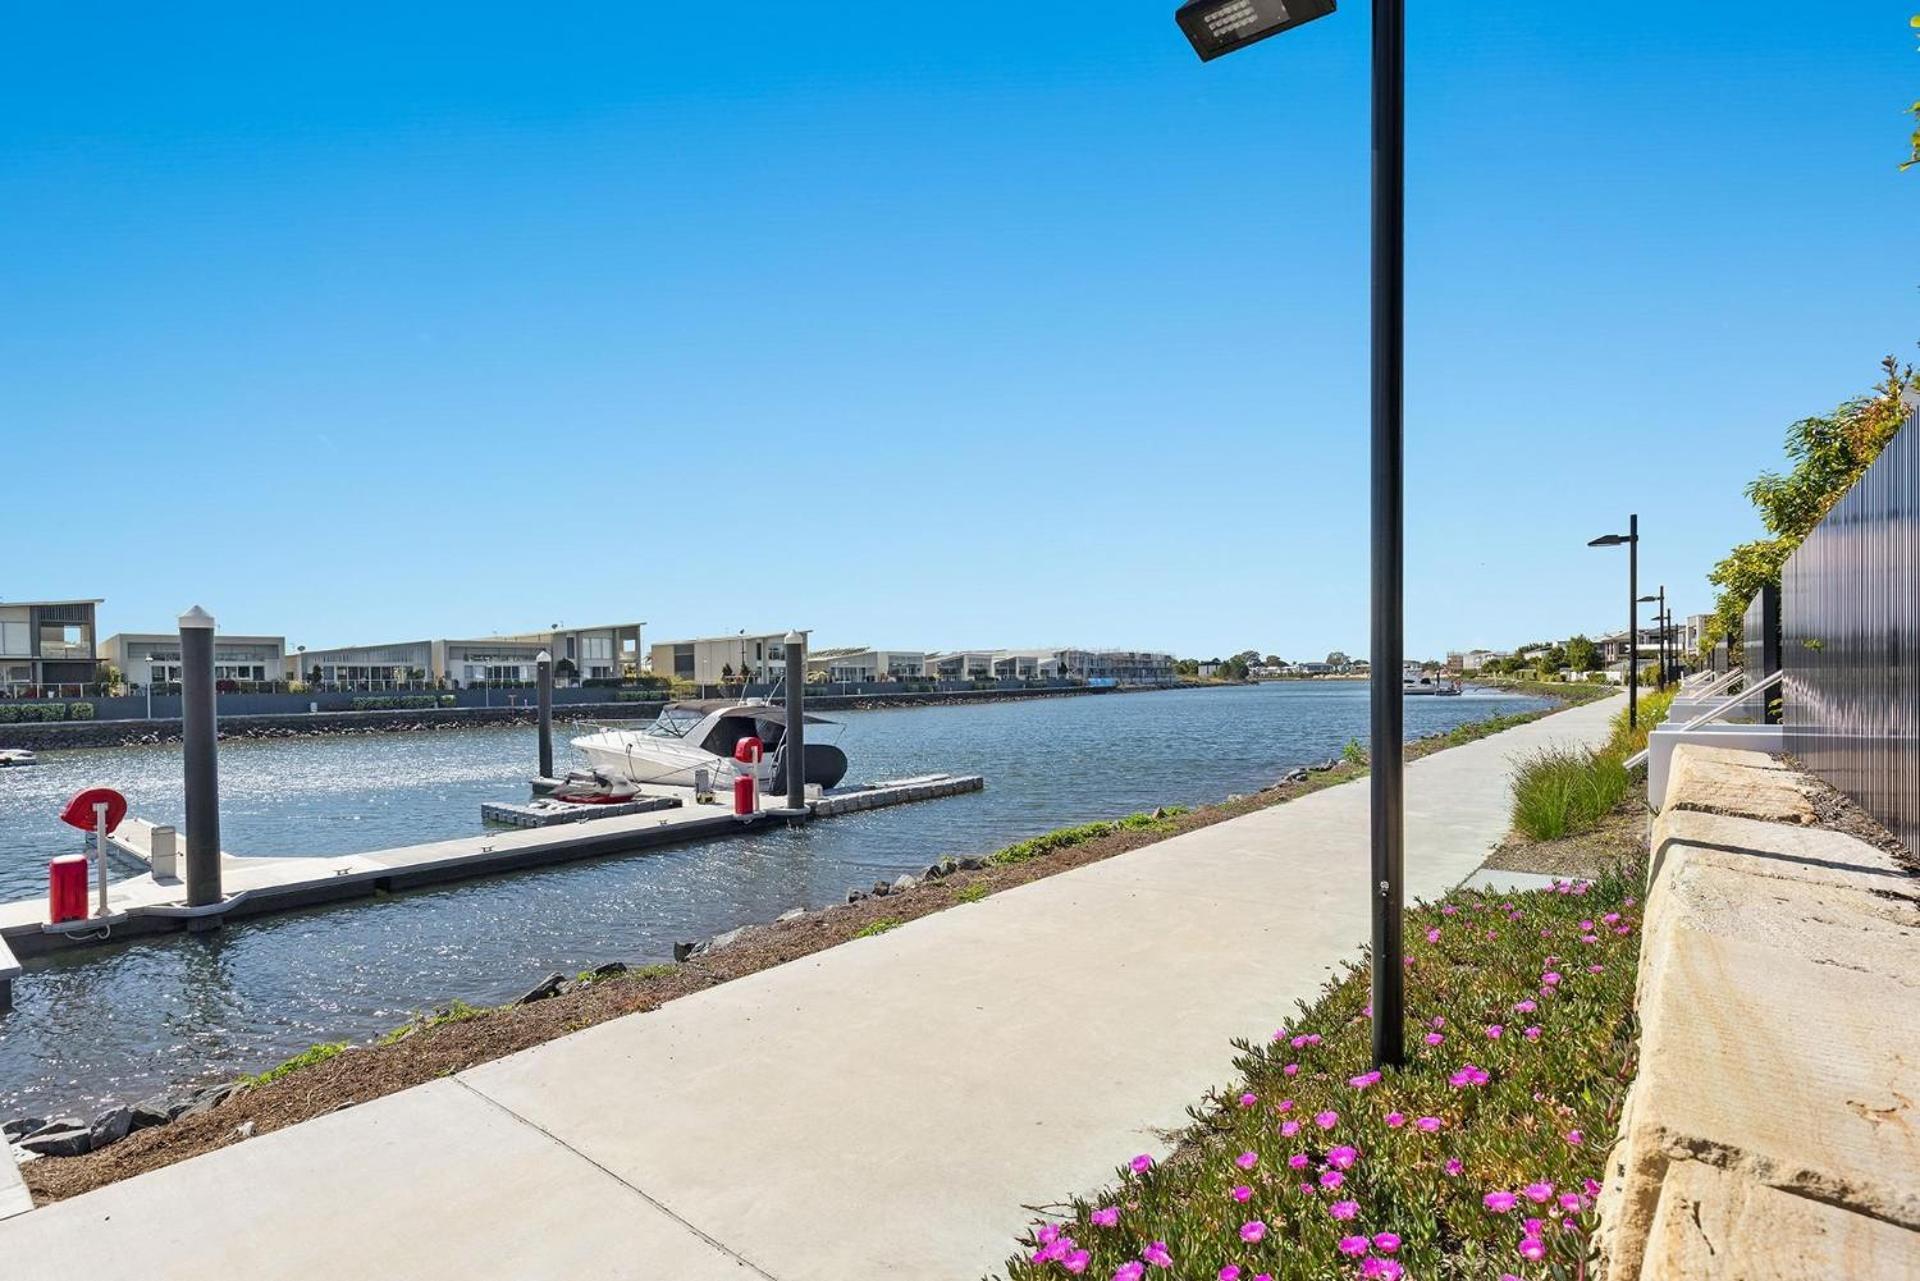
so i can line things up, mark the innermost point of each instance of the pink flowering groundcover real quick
(1478, 1159)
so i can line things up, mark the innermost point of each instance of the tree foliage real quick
(1828, 453)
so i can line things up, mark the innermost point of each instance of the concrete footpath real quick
(882, 1109)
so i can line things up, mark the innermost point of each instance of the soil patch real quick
(1619, 838)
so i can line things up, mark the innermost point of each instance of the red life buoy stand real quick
(746, 782)
(98, 810)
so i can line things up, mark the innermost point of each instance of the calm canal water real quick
(118, 1023)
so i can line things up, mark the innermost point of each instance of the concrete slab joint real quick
(1772, 1129)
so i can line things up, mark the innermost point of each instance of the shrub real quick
(878, 928)
(1559, 791)
(79, 711)
(973, 891)
(1067, 837)
(1480, 1158)
(305, 1059)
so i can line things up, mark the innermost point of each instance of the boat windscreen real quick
(675, 721)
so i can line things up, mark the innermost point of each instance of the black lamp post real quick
(1662, 623)
(1216, 27)
(1632, 540)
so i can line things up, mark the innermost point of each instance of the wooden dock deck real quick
(146, 904)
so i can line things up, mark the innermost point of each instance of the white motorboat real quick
(1414, 681)
(688, 738)
(10, 756)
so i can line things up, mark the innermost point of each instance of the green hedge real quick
(401, 702)
(24, 713)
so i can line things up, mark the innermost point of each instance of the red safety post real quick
(746, 781)
(67, 888)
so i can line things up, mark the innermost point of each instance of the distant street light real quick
(1632, 541)
(1663, 624)
(1216, 27)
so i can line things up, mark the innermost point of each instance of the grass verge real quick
(1478, 1159)
(1562, 791)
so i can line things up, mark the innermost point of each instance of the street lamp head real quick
(1649, 600)
(1607, 540)
(1215, 27)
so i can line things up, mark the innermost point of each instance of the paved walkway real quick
(882, 1109)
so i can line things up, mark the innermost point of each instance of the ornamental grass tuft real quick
(1479, 1159)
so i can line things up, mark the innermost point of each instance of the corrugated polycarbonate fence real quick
(1851, 651)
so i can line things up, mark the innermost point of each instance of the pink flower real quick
(1449, 910)
(1433, 936)
(1289, 1128)
(1285, 1105)
(1532, 1033)
(1499, 1202)
(1427, 1124)
(1396, 1119)
(1291, 1069)
(1611, 918)
(1344, 1210)
(1241, 1193)
(1365, 1079)
(1454, 1167)
(1589, 938)
(1550, 979)
(1247, 1160)
(1533, 1249)
(1595, 969)
(1586, 927)
(1331, 1179)
(1248, 1099)
(1524, 1007)
(1434, 1038)
(1326, 1120)
(1386, 1242)
(1378, 1269)
(1468, 1075)
(1576, 1138)
(1252, 1230)
(1438, 1021)
(1354, 1246)
(1106, 1216)
(1298, 1161)
(1077, 1261)
(1342, 1157)
(1571, 1202)
(1230, 1273)
(1157, 1255)
(1141, 1164)
(1366, 1011)
(1132, 1270)
(1493, 1031)
(1588, 1186)
(1539, 1193)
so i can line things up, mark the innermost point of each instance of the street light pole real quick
(1633, 621)
(1217, 27)
(1632, 539)
(1387, 705)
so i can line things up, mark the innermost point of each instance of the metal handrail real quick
(1712, 713)
(1715, 685)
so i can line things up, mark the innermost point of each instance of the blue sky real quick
(386, 322)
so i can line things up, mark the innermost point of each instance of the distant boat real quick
(1417, 682)
(16, 756)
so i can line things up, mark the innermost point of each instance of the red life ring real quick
(79, 810)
